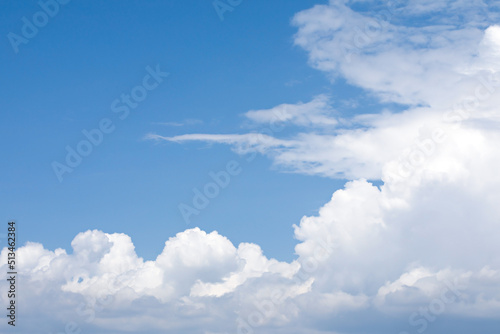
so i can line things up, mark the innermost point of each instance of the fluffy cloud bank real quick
(103, 277)
(403, 257)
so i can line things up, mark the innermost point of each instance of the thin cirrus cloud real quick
(317, 112)
(423, 245)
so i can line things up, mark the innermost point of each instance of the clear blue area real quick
(66, 77)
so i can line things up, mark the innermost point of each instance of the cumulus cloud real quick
(105, 274)
(422, 245)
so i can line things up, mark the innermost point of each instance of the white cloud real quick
(406, 64)
(445, 73)
(317, 112)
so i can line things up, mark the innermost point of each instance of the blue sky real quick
(64, 80)
(364, 134)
